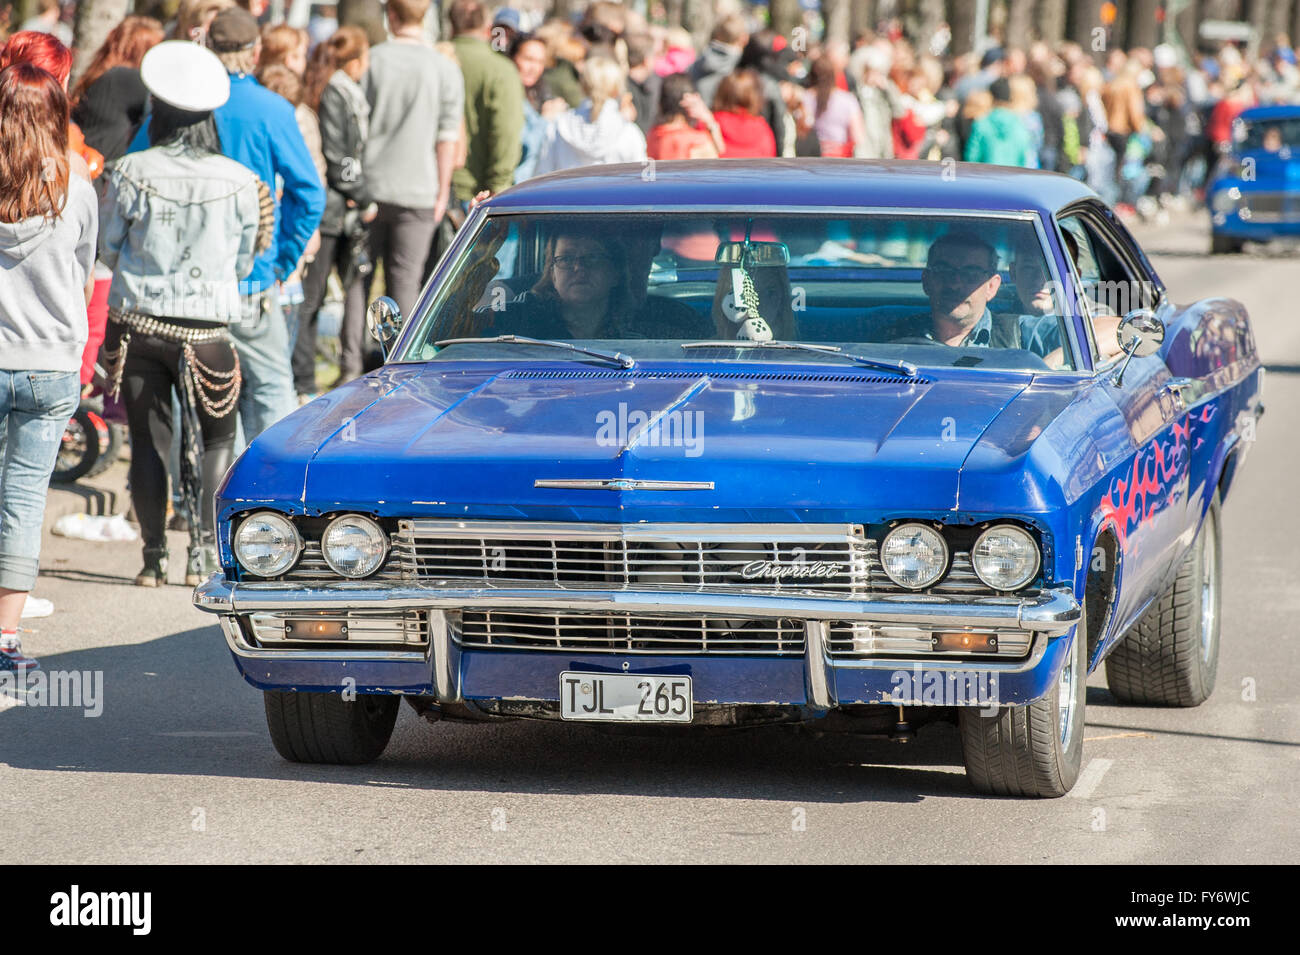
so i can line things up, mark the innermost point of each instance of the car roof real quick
(1278, 111)
(750, 183)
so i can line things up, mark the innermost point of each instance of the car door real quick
(1146, 496)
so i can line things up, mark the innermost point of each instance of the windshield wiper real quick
(617, 358)
(898, 367)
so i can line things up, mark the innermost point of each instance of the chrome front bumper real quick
(1051, 612)
(1047, 614)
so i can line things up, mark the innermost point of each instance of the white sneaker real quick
(36, 607)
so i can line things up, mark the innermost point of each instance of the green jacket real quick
(494, 118)
(1000, 138)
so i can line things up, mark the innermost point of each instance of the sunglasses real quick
(972, 274)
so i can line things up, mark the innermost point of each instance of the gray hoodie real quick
(44, 268)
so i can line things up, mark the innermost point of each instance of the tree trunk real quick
(1186, 22)
(962, 22)
(673, 12)
(95, 18)
(1142, 28)
(1279, 21)
(1085, 21)
(786, 15)
(1049, 21)
(862, 17)
(1020, 23)
(699, 18)
(836, 13)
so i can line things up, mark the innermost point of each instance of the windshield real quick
(1270, 135)
(922, 289)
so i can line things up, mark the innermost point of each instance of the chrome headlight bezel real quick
(925, 530)
(1226, 200)
(289, 531)
(1012, 531)
(364, 523)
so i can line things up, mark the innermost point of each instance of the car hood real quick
(464, 440)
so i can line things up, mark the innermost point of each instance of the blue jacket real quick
(258, 129)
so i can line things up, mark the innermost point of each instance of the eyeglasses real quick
(571, 263)
(971, 274)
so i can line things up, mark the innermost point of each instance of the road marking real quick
(1093, 739)
(1090, 778)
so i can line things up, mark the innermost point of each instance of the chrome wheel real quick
(1065, 705)
(1209, 585)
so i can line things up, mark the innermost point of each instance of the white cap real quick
(185, 75)
(1165, 56)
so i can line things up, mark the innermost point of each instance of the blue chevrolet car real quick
(857, 444)
(1255, 194)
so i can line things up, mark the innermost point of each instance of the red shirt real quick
(678, 142)
(745, 136)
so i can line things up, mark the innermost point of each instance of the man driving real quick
(960, 279)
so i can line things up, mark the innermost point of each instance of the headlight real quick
(1005, 557)
(267, 544)
(914, 555)
(1226, 200)
(354, 546)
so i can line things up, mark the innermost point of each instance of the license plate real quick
(625, 697)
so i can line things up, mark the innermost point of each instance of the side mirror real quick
(1140, 334)
(384, 322)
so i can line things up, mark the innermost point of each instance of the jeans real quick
(262, 341)
(34, 410)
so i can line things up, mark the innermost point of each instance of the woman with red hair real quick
(48, 224)
(45, 51)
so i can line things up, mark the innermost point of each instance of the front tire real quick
(1224, 245)
(325, 728)
(1033, 750)
(1171, 656)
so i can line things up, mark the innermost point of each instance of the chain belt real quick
(159, 328)
(216, 391)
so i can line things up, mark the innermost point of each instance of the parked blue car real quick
(1255, 195)
(859, 444)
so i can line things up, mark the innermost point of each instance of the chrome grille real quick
(408, 629)
(772, 558)
(311, 566)
(626, 633)
(1272, 206)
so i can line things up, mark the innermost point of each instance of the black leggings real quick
(148, 378)
(335, 252)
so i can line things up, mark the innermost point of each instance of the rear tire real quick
(1171, 656)
(1034, 750)
(325, 728)
(108, 456)
(84, 437)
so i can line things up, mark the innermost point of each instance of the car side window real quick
(1086, 273)
(1111, 285)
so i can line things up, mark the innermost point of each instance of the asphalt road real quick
(178, 767)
